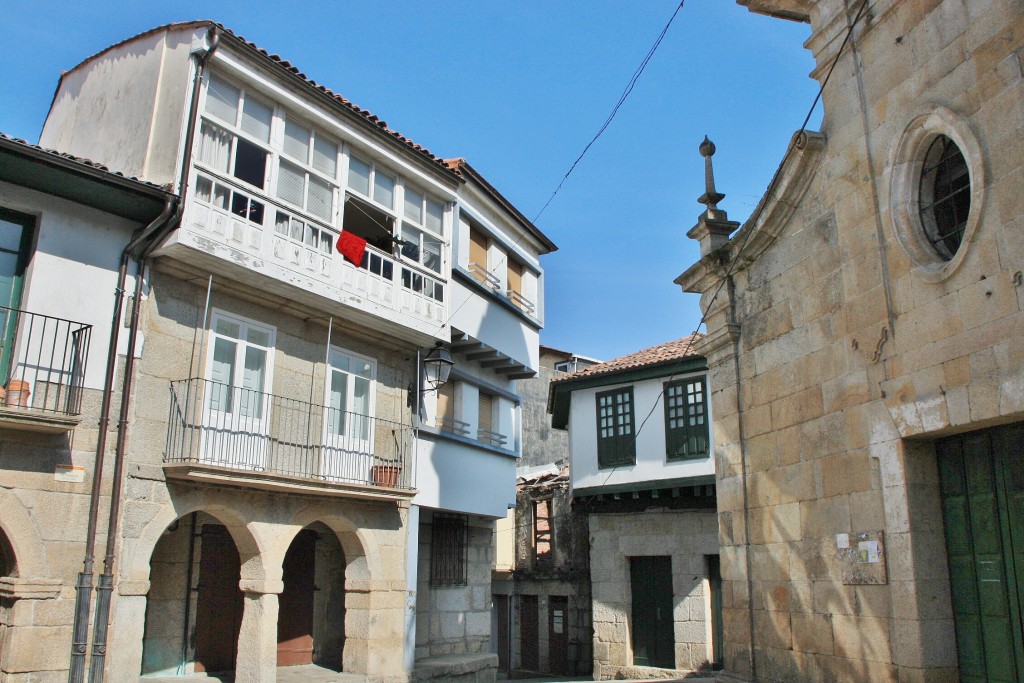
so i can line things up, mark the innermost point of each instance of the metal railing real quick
(42, 361)
(484, 276)
(449, 425)
(521, 301)
(217, 424)
(493, 438)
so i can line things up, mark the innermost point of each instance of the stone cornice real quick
(15, 588)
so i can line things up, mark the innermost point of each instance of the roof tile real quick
(656, 355)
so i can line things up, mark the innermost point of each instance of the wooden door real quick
(981, 477)
(715, 588)
(529, 650)
(652, 627)
(219, 602)
(295, 613)
(558, 634)
(501, 630)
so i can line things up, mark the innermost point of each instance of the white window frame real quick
(228, 434)
(348, 456)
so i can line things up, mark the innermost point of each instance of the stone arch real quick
(358, 542)
(28, 555)
(248, 541)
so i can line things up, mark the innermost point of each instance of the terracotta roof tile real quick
(656, 355)
(78, 160)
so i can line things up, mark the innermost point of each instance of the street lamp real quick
(437, 365)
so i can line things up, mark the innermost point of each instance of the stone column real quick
(256, 661)
(37, 637)
(127, 622)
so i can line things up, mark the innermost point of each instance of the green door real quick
(652, 628)
(15, 247)
(981, 477)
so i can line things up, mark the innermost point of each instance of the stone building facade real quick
(296, 480)
(863, 333)
(64, 222)
(648, 495)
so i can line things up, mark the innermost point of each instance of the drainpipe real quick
(83, 597)
(145, 243)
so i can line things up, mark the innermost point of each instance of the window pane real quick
(228, 328)
(414, 206)
(384, 189)
(250, 163)
(312, 237)
(432, 254)
(259, 337)
(253, 374)
(296, 141)
(221, 195)
(325, 156)
(256, 118)
(204, 192)
(222, 100)
(290, 183)
(320, 196)
(435, 216)
(411, 248)
(215, 147)
(281, 224)
(222, 372)
(359, 176)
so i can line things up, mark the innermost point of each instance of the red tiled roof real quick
(365, 114)
(656, 355)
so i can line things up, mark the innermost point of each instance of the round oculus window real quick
(945, 196)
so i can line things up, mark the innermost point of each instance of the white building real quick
(281, 412)
(642, 470)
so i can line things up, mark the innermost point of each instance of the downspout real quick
(146, 244)
(83, 597)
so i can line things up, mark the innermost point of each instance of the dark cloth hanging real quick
(352, 247)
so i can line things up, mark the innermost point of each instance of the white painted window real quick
(349, 418)
(237, 399)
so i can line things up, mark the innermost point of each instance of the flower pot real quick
(385, 475)
(18, 392)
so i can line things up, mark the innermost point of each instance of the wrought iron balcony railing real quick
(211, 423)
(42, 362)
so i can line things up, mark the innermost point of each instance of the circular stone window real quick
(935, 191)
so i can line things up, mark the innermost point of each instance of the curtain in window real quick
(215, 147)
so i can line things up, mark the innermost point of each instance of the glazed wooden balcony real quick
(239, 235)
(229, 435)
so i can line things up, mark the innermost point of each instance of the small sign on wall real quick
(862, 557)
(74, 474)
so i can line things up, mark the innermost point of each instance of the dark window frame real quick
(687, 435)
(616, 439)
(449, 550)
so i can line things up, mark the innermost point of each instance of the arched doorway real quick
(194, 607)
(311, 615)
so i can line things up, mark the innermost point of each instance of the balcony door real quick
(348, 438)
(237, 403)
(15, 247)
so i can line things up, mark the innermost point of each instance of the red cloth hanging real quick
(352, 247)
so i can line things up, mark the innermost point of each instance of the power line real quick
(615, 110)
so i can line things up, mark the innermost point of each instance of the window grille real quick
(686, 425)
(449, 544)
(615, 440)
(945, 196)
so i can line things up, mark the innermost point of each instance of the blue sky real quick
(519, 88)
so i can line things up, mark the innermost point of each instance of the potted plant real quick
(385, 472)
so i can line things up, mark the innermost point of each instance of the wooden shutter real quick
(478, 254)
(515, 276)
(485, 421)
(445, 402)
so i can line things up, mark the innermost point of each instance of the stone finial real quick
(713, 226)
(710, 198)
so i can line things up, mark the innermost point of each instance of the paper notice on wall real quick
(74, 474)
(867, 552)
